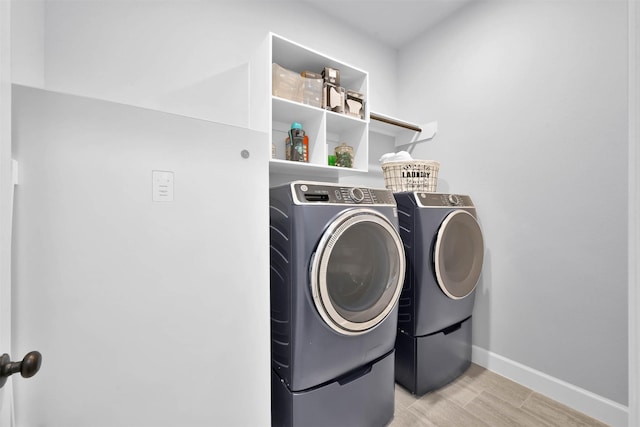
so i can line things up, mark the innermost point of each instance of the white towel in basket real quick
(395, 157)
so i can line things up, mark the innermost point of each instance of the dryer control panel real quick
(319, 193)
(443, 200)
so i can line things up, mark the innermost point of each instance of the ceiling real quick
(391, 22)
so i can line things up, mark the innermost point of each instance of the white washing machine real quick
(445, 250)
(337, 268)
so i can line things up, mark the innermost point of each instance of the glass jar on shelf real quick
(344, 156)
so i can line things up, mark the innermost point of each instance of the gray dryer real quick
(445, 250)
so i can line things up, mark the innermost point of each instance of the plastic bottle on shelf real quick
(297, 144)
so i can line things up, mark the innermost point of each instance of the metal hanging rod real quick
(394, 122)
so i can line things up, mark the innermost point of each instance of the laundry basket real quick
(411, 175)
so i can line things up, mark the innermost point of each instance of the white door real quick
(147, 294)
(5, 197)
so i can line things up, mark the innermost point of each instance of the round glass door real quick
(458, 254)
(357, 271)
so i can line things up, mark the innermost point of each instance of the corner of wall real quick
(634, 209)
(568, 394)
(28, 42)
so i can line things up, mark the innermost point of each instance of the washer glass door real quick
(458, 254)
(357, 271)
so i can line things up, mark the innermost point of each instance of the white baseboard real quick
(588, 403)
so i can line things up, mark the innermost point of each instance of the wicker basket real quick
(411, 175)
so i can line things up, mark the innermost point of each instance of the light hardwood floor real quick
(483, 398)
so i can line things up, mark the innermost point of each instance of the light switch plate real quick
(162, 186)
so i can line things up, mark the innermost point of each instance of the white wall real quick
(27, 39)
(634, 208)
(184, 57)
(531, 100)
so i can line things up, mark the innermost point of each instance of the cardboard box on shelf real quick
(331, 75)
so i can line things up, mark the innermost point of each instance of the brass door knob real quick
(29, 366)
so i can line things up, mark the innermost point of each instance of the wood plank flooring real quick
(485, 399)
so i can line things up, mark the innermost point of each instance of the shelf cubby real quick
(325, 129)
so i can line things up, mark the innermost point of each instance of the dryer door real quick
(357, 271)
(458, 254)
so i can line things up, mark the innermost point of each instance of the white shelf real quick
(301, 169)
(325, 129)
(296, 57)
(283, 110)
(341, 122)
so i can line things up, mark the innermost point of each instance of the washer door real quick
(458, 254)
(357, 271)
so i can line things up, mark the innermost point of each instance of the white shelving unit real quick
(325, 129)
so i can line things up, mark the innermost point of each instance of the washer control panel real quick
(318, 193)
(443, 200)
